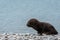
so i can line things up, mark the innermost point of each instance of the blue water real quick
(14, 14)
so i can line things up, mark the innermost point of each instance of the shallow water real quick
(15, 13)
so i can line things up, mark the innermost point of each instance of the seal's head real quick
(32, 22)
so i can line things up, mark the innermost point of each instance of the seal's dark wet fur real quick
(42, 27)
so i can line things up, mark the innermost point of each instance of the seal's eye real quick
(32, 23)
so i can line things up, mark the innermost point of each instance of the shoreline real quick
(27, 36)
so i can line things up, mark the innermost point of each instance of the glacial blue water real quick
(14, 14)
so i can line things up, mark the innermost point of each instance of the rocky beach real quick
(27, 36)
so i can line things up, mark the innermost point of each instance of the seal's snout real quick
(28, 25)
